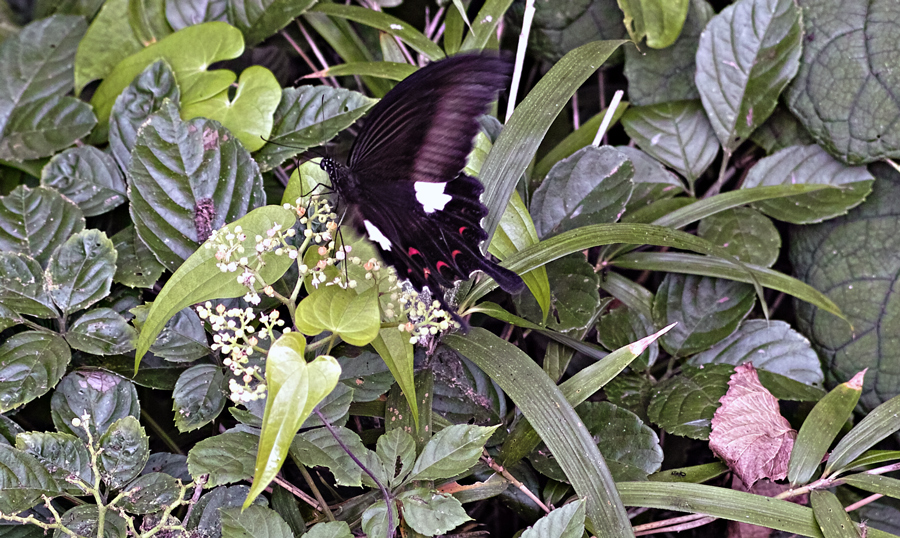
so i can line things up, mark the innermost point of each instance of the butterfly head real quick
(341, 178)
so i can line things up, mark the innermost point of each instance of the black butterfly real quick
(404, 183)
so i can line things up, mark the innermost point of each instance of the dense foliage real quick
(192, 344)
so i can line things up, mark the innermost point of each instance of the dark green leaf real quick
(830, 515)
(136, 267)
(769, 345)
(81, 270)
(685, 404)
(101, 331)
(206, 517)
(744, 232)
(881, 422)
(226, 458)
(151, 493)
(622, 326)
(575, 300)
(677, 133)
(334, 407)
(65, 456)
(706, 310)
(285, 504)
(592, 185)
(125, 449)
(88, 177)
(452, 451)
(23, 479)
(851, 259)
(84, 521)
(183, 14)
(198, 397)
(851, 115)
(652, 181)
(661, 75)
(252, 522)
(630, 447)
(174, 465)
(22, 286)
(138, 101)
(31, 363)
(36, 221)
(183, 339)
(431, 513)
(332, 529)
(318, 448)
(366, 374)
(556, 423)
(564, 522)
(809, 164)
(104, 396)
(397, 450)
(258, 19)
(747, 55)
(38, 118)
(630, 391)
(375, 520)
(462, 392)
(178, 170)
(780, 131)
(522, 135)
(577, 139)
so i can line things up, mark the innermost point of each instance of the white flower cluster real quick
(425, 320)
(229, 245)
(236, 336)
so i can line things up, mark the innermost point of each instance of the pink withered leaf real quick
(748, 431)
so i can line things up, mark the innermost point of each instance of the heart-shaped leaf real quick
(249, 114)
(354, 317)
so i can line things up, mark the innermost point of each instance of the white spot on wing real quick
(431, 195)
(376, 235)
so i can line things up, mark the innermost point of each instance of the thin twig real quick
(862, 502)
(487, 459)
(705, 520)
(316, 51)
(198, 489)
(302, 495)
(316, 493)
(384, 491)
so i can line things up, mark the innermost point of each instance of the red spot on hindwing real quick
(462, 229)
(412, 251)
(427, 272)
(441, 264)
(454, 253)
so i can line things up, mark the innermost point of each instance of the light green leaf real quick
(660, 21)
(228, 457)
(452, 451)
(330, 529)
(248, 115)
(259, 19)
(564, 522)
(396, 351)
(318, 448)
(397, 450)
(355, 318)
(431, 513)
(106, 43)
(252, 521)
(830, 515)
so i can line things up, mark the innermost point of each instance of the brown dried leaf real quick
(748, 431)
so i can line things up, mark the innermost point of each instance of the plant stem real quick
(320, 501)
(384, 491)
(173, 446)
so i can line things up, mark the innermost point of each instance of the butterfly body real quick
(404, 186)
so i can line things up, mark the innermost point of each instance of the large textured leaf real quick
(81, 270)
(227, 458)
(185, 180)
(429, 512)
(253, 521)
(150, 493)
(136, 267)
(137, 102)
(851, 115)
(248, 115)
(452, 451)
(183, 339)
(706, 309)
(661, 75)
(677, 133)
(308, 116)
(748, 53)
(318, 448)
(124, 452)
(22, 286)
(685, 404)
(745, 233)
(770, 345)
(104, 396)
(36, 117)
(574, 296)
(652, 182)
(23, 479)
(592, 185)
(199, 396)
(853, 260)
(62, 454)
(564, 522)
(258, 19)
(31, 363)
(88, 177)
(811, 165)
(630, 447)
(101, 331)
(189, 52)
(36, 221)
